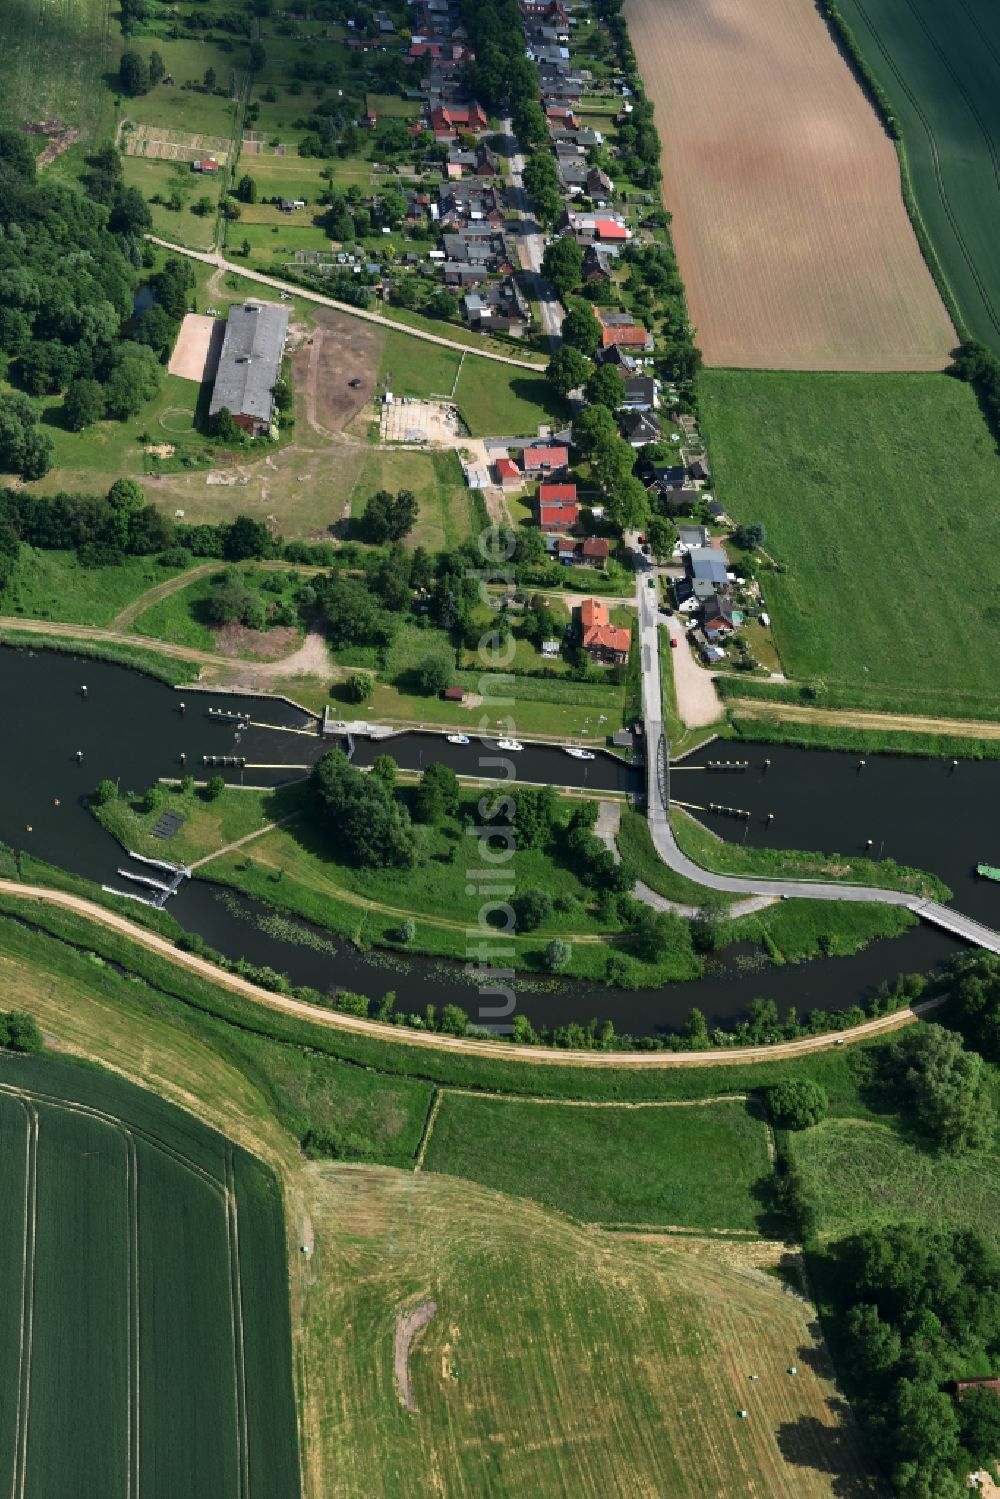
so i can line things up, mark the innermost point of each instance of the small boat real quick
(988, 872)
(579, 754)
(509, 744)
(458, 738)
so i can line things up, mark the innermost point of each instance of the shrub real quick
(557, 954)
(797, 1103)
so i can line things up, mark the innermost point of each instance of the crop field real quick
(558, 1360)
(877, 492)
(687, 1167)
(789, 222)
(938, 64)
(53, 57)
(146, 1339)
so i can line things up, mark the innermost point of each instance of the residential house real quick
(542, 458)
(640, 427)
(557, 507)
(208, 166)
(599, 262)
(561, 117)
(698, 468)
(717, 617)
(604, 642)
(621, 328)
(595, 551)
(708, 564)
(448, 121)
(480, 162)
(691, 594)
(640, 393)
(499, 307)
(249, 365)
(508, 475)
(676, 498)
(616, 355)
(691, 537)
(605, 228)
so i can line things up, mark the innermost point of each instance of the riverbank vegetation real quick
(724, 857)
(771, 729)
(841, 591)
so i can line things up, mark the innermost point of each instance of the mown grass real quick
(495, 399)
(636, 847)
(737, 858)
(445, 515)
(863, 1174)
(700, 1167)
(208, 824)
(876, 492)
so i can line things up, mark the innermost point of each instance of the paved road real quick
(722, 1056)
(666, 846)
(550, 307)
(208, 257)
(698, 703)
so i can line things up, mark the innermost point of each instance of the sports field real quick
(145, 1340)
(789, 223)
(940, 66)
(878, 494)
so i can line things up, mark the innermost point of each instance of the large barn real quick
(249, 365)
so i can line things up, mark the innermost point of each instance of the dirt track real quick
(857, 718)
(738, 1056)
(789, 223)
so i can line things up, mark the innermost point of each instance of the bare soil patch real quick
(61, 137)
(262, 645)
(339, 349)
(199, 344)
(407, 1326)
(789, 223)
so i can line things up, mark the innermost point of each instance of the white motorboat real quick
(509, 744)
(579, 754)
(458, 738)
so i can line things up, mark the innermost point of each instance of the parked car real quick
(673, 642)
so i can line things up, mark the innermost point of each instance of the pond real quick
(59, 741)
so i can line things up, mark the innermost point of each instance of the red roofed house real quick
(508, 473)
(557, 507)
(544, 460)
(595, 551)
(562, 117)
(209, 166)
(621, 328)
(447, 120)
(602, 640)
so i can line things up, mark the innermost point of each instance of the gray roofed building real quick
(708, 563)
(249, 365)
(640, 427)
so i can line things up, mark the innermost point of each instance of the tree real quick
(209, 79)
(133, 74)
(945, 1087)
(246, 189)
(437, 793)
(606, 387)
(20, 1032)
(433, 675)
(230, 600)
(157, 68)
(389, 517)
(407, 930)
(749, 537)
(214, 788)
(442, 303)
(83, 404)
(661, 533)
(246, 537)
(581, 330)
(628, 503)
(106, 792)
(534, 815)
(567, 369)
(135, 378)
(658, 934)
(532, 908)
(530, 125)
(16, 153)
(23, 449)
(131, 214)
(593, 430)
(979, 1424)
(256, 57)
(157, 330)
(562, 263)
(224, 428)
(557, 954)
(361, 814)
(358, 687)
(797, 1103)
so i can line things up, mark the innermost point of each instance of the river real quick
(58, 741)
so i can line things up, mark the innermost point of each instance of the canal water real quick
(58, 741)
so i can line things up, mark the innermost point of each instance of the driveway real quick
(698, 702)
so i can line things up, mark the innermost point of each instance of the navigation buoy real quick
(79, 757)
(83, 690)
(183, 706)
(767, 764)
(870, 843)
(55, 801)
(770, 816)
(862, 764)
(29, 828)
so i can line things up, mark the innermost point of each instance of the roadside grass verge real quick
(703, 1167)
(723, 857)
(865, 600)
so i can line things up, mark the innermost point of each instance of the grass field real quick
(632, 1355)
(862, 1174)
(189, 1382)
(445, 514)
(560, 1361)
(938, 66)
(53, 585)
(788, 218)
(876, 493)
(53, 57)
(703, 1167)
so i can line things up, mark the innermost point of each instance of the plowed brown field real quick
(789, 223)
